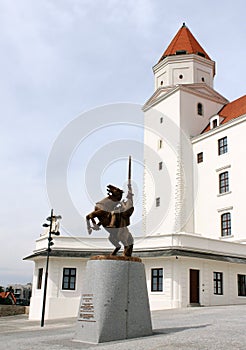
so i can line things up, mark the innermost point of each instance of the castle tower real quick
(180, 108)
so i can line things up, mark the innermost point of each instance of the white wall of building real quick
(209, 203)
(176, 285)
(59, 303)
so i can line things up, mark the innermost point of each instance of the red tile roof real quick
(232, 110)
(184, 41)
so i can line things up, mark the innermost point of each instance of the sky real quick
(62, 59)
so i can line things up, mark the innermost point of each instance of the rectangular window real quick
(157, 202)
(218, 283)
(222, 145)
(215, 123)
(160, 143)
(226, 224)
(241, 280)
(200, 157)
(40, 277)
(224, 182)
(156, 280)
(69, 278)
(160, 165)
(161, 120)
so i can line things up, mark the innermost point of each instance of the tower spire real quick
(184, 43)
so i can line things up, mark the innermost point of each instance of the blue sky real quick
(62, 58)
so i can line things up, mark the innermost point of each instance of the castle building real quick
(194, 240)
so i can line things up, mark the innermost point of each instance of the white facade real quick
(213, 165)
(189, 256)
(175, 254)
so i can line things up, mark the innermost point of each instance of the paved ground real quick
(192, 328)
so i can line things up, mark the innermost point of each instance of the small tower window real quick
(162, 82)
(161, 120)
(203, 79)
(157, 202)
(181, 52)
(199, 109)
(181, 76)
(160, 166)
(159, 143)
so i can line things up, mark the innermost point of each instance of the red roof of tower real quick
(184, 43)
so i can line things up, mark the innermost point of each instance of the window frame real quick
(224, 182)
(222, 146)
(157, 280)
(226, 224)
(241, 285)
(218, 283)
(69, 279)
(200, 157)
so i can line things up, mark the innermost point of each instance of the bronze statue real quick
(113, 214)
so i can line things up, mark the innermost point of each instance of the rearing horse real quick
(113, 214)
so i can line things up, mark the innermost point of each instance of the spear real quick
(129, 170)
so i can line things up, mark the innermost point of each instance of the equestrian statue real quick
(113, 214)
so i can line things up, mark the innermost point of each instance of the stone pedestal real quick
(114, 301)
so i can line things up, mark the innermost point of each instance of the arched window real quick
(199, 109)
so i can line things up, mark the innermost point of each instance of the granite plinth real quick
(114, 302)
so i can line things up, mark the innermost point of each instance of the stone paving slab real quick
(210, 328)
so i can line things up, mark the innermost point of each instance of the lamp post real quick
(53, 229)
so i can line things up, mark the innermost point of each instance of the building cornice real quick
(146, 253)
(183, 59)
(160, 94)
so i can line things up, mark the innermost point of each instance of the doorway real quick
(194, 286)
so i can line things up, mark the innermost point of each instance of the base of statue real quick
(114, 302)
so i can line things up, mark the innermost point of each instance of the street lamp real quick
(53, 230)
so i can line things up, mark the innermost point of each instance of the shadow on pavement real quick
(176, 329)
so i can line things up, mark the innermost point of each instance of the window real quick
(160, 143)
(156, 280)
(160, 165)
(222, 146)
(200, 157)
(69, 278)
(218, 283)
(226, 224)
(199, 109)
(224, 182)
(40, 276)
(161, 120)
(157, 202)
(241, 281)
(215, 123)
